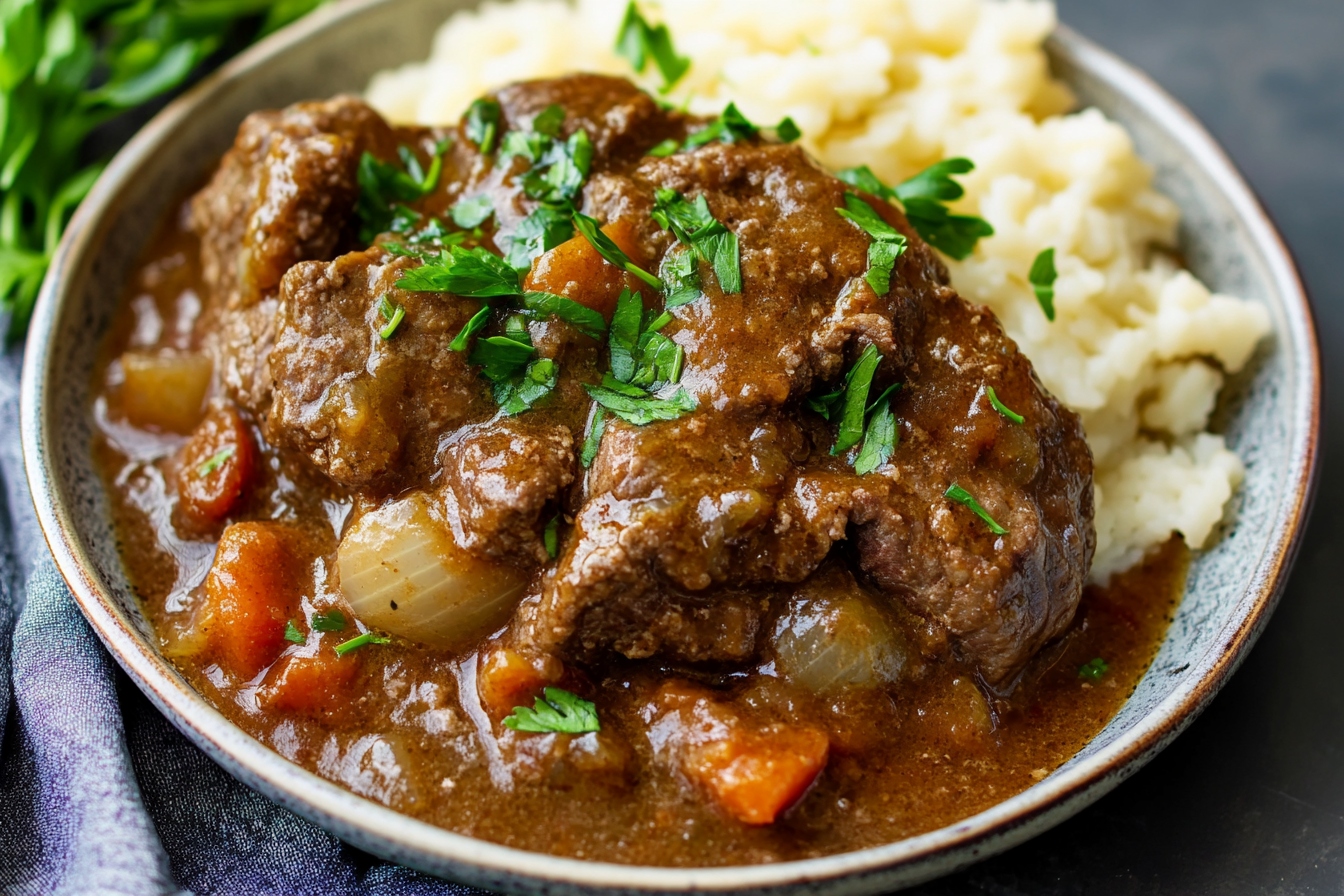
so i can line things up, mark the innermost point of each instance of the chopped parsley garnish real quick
(640, 355)
(473, 212)
(483, 124)
(638, 42)
(1094, 669)
(360, 641)
(551, 537)
(215, 461)
(888, 243)
(1042, 279)
(593, 440)
(854, 405)
(694, 226)
(560, 171)
(293, 634)
(879, 439)
(501, 357)
(666, 148)
(557, 712)
(549, 121)
(638, 407)
(519, 393)
(1003, 408)
(732, 126)
(382, 185)
(680, 271)
(392, 313)
(475, 273)
(923, 197)
(580, 317)
(961, 496)
(470, 329)
(608, 249)
(541, 231)
(531, 145)
(333, 621)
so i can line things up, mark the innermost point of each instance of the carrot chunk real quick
(508, 679)
(576, 270)
(756, 775)
(316, 684)
(217, 465)
(252, 590)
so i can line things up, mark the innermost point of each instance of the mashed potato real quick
(1139, 347)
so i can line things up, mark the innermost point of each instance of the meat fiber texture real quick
(1140, 348)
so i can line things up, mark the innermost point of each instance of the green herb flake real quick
(827, 404)
(923, 198)
(215, 461)
(383, 186)
(361, 641)
(470, 329)
(1094, 669)
(392, 313)
(879, 439)
(551, 537)
(558, 712)
(549, 121)
(473, 212)
(667, 148)
(1003, 408)
(593, 441)
(888, 243)
(1042, 279)
(638, 42)
(580, 317)
(637, 407)
(859, 381)
(500, 357)
(520, 392)
(608, 249)
(483, 124)
(680, 270)
(694, 226)
(333, 621)
(961, 496)
(473, 273)
(732, 126)
(541, 231)
(292, 633)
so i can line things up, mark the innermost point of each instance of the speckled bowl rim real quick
(385, 832)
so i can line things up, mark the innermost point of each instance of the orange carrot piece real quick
(576, 270)
(317, 684)
(252, 590)
(754, 776)
(216, 466)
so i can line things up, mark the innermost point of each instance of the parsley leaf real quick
(955, 235)
(635, 406)
(558, 712)
(680, 270)
(666, 148)
(329, 622)
(638, 42)
(858, 381)
(923, 197)
(732, 126)
(473, 212)
(392, 313)
(500, 357)
(1042, 279)
(1003, 408)
(1094, 669)
(473, 273)
(935, 182)
(624, 334)
(551, 537)
(580, 317)
(879, 440)
(593, 440)
(640, 355)
(608, 249)
(292, 633)
(483, 124)
(560, 170)
(961, 496)
(888, 243)
(470, 329)
(519, 393)
(826, 405)
(541, 231)
(215, 461)
(694, 226)
(382, 185)
(549, 121)
(360, 641)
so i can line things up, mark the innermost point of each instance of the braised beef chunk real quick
(1000, 596)
(366, 409)
(499, 478)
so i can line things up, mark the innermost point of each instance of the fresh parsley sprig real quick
(695, 227)
(888, 243)
(923, 198)
(638, 42)
(607, 248)
(332, 621)
(854, 403)
(558, 712)
(732, 126)
(475, 273)
(1042, 279)
(638, 407)
(872, 423)
(482, 124)
(966, 499)
(383, 186)
(593, 440)
(641, 355)
(580, 317)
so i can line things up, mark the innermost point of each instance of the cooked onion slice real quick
(833, 638)
(403, 573)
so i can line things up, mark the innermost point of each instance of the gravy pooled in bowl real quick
(608, 482)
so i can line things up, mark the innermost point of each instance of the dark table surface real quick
(1251, 798)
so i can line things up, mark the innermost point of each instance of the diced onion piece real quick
(402, 572)
(164, 391)
(833, 638)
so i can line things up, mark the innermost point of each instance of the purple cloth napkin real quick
(99, 794)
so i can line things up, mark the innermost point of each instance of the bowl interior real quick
(1269, 416)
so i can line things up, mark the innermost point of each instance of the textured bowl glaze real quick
(1270, 416)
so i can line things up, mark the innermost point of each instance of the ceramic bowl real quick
(1270, 417)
